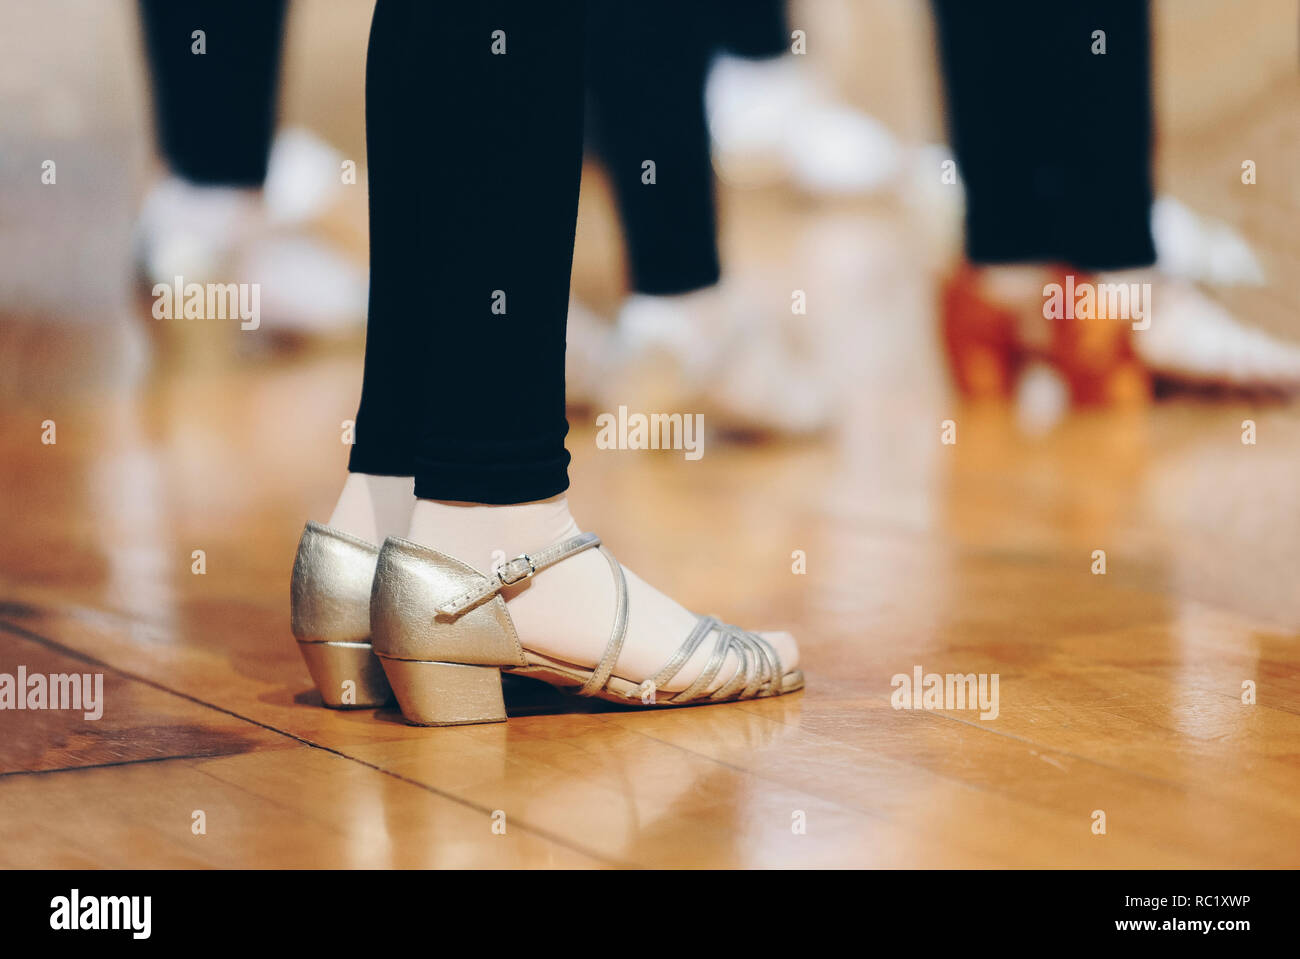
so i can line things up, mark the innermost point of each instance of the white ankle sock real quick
(566, 612)
(373, 508)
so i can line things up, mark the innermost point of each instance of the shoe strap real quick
(522, 567)
(605, 668)
(759, 665)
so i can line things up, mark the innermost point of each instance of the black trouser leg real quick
(752, 28)
(215, 111)
(1053, 141)
(401, 319)
(647, 65)
(480, 156)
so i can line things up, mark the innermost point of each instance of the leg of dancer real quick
(465, 387)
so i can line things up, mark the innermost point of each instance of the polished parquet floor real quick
(883, 548)
(1119, 692)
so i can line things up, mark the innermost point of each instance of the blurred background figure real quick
(1053, 193)
(689, 334)
(736, 92)
(236, 197)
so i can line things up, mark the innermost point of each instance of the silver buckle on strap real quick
(517, 569)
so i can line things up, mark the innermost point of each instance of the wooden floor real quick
(1120, 693)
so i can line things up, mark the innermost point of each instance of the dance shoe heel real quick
(1095, 355)
(986, 352)
(329, 611)
(444, 635)
(979, 337)
(446, 694)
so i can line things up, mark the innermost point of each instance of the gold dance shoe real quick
(329, 612)
(444, 635)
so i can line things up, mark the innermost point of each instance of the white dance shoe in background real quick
(773, 119)
(217, 234)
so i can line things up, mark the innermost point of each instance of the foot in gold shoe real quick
(330, 617)
(445, 634)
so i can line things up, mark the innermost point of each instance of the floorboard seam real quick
(24, 633)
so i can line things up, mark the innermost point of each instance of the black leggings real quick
(215, 111)
(1053, 141)
(756, 29)
(647, 65)
(646, 88)
(475, 159)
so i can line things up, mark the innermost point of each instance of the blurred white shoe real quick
(709, 352)
(772, 118)
(1201, 248)
(586, 354)
(302, 174)
(234, 235)
(1193, 339)
(189, 230)
(308, 289)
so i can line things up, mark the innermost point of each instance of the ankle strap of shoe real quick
(518, 569)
